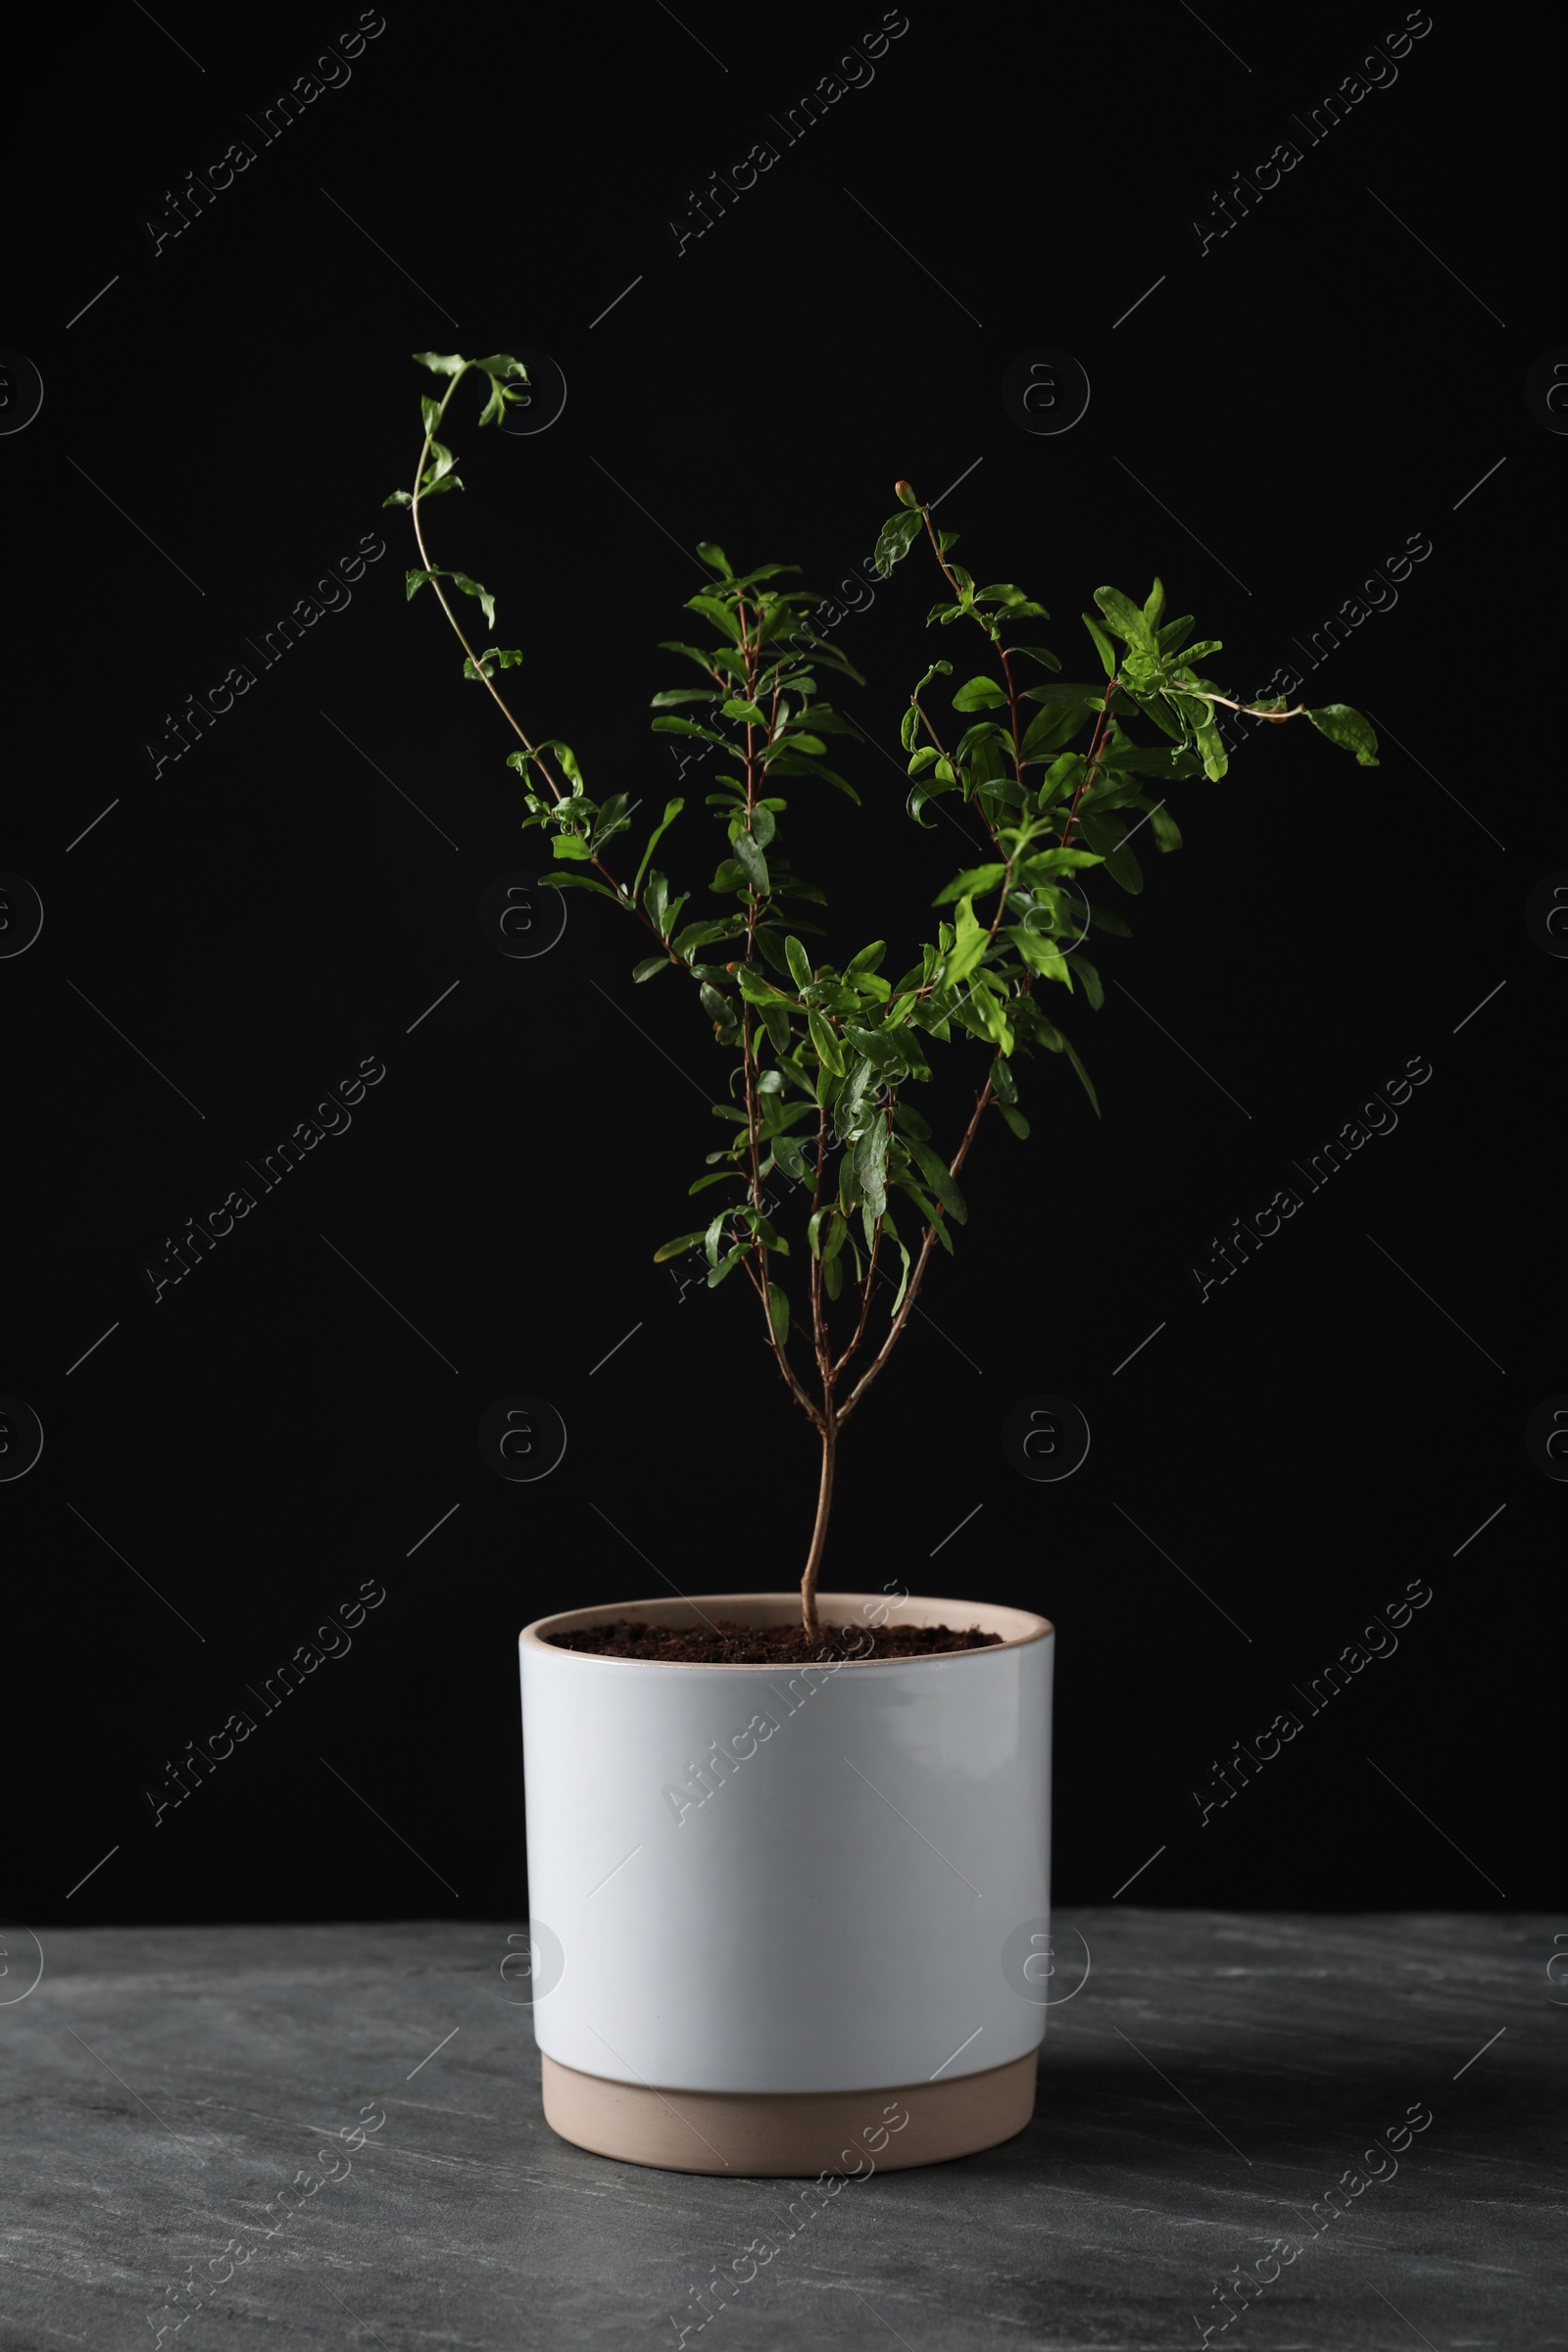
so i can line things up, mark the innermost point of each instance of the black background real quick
(1307, 395)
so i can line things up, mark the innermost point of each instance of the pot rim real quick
(1017, 1627)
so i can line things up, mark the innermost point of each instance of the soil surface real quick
(727, 1643)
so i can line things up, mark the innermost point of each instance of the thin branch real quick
(480, 672)
(758, 1275)
(819, 1338)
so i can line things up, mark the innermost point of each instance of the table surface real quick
(1212, 2078)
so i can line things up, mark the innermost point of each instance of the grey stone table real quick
(1202, 2094)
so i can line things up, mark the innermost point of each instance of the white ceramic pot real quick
(769, 1907)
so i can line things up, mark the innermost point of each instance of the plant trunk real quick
(824, 1503)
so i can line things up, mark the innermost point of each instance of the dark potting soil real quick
(728, 1644)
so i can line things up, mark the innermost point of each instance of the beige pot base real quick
(788, 2134)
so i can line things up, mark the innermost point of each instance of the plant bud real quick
(904, 495)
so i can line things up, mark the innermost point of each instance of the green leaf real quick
(969, 946)
(1107, 835)
(1088, 1083)
(928, 1211)
(871, 1165)
(506, 378)
(703, 935)
(1035, 1025)
(1127, 620)
(751, 862)
(764, 571)
(1040, 653)
(1041, 863)
(487, 602)
(507, 657)
(919, 794)
(888, 1227)
(982, 1010)
(854, 1107)
(399, 498)
(649, 967)
(938, 670)
(829, 1051)
(1215, 759)
(684, 694)
(666, 725)
(935, 1171)
(552, 881)
(1348, 728)
(1057, 777)
(754, 984)
(1155, 602)
(439, 362)
(568, 757)
(800, 962)
(1103, 645)
(979, 694)
(715, 559)
(726, 1265)
(788, 765)
(1089, 981)
(673, 810)
(974, 882)
(682, 1242)
(713, 609)
(1038, 952)
(1014, 1118)
(1150, 760)
(1123, 867)
(778, 1312)
(1162, 711)
(825, 652)
(789, 1158)
(895, 537)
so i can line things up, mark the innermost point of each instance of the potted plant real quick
(789, 1858)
